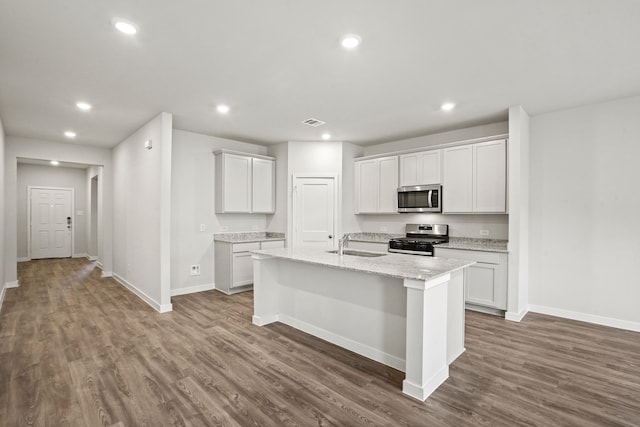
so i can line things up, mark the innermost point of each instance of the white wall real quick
(349, 218)
(277, 222)
(3, 280)
(193, 203)
(142, 209)
(314, 157)
(50, 176)
(92, 180)
(585, 213)
(459, 225)
(16, 147)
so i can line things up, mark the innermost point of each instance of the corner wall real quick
(585, 211)
(142, 209)
(3, 279)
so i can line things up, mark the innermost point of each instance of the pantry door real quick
(314, 211)
(50, 222)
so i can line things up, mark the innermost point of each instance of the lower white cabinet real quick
(233, 264)
(485, 283)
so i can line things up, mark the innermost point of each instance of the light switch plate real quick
(484, 232)
(203, 227)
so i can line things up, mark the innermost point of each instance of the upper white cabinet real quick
(245, 183)
(376, 185)
(474, 178)
(420, 168)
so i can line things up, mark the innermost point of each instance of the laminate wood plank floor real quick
(79, 350)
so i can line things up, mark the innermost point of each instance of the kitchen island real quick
(404, 311)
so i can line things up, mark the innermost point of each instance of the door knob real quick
(330, 236)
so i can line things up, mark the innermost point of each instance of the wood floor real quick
(78, 350)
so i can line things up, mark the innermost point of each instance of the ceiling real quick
(278, 62)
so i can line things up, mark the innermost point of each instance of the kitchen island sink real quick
(404, 311)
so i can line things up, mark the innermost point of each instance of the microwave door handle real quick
(429, 197)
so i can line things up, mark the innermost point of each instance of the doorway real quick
(315, 211)
(92, 249)
(50, 228)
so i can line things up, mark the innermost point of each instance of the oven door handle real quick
(429, 197)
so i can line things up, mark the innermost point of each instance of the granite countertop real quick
(392, 265)
(246, 237)
(472, 244)
(374, 237)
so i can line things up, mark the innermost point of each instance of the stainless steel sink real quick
(358, 253)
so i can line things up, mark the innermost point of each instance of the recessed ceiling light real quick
(125, 27)
(83, 106)
(447, 106)
(350, 41)
(54, 162)
(326, 136)
(224, 109)
(70, 134)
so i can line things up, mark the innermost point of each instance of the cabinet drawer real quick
(479, 256)
(244, 247)
(273, 244)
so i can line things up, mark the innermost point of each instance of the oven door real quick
(419, 199)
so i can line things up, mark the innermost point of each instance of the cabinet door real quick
(236, 183)
(489, 176)
(388, 185)
(409, 169)
(457, 182)
(366, 186)
(242, 269)
(481, 285)
(429, 167)
(263, 184)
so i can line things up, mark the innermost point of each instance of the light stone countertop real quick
(247, 237)
(472, 244)
(374, 237)
(392, 265)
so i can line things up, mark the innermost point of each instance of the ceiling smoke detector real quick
(313, 122)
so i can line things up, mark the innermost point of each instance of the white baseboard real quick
(349, 344)
(516, 317)
(13, 284)
(92, 258)
(2, 292)
(106, 274)
(79, 255)
(193, 289)
(24, 259)
(585, 317)
(160, 308)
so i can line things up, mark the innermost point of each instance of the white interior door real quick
(314, 212)
(51, 217)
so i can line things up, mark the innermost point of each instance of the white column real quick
(265, 290)
(426, 357)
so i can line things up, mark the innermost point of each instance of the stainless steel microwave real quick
(420, 198)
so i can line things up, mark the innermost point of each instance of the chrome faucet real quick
(341, 243)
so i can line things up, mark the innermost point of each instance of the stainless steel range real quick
(420, 239)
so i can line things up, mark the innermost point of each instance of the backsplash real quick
(459, 225)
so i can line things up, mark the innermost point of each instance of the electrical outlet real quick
(383, 228)
(224, 228)
(128, 267)
(195, 270)
(203, 227)
(484, 232)
(255, 228)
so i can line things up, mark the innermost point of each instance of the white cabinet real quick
(420, 168)
(233, 264)
(485, 282)
(474, 178)
(245, 183)
(376, 185)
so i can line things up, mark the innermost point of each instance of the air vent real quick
(313, 122)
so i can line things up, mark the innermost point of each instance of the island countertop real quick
(389, 264)
(247, 237)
